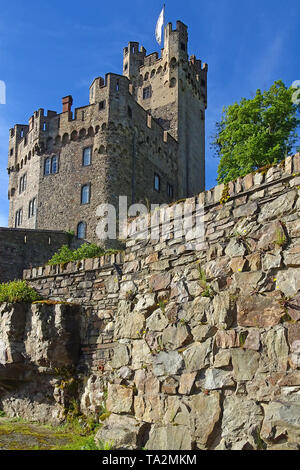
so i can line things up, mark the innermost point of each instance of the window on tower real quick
(22, 183)
(32, 208)
(51, 165)
(85, 194)
(156, 182)
(18, 218)
(87, 156)
(81, 230)
(147, 93)
(170, 190)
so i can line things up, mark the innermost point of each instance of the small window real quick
(146, 93)
(129, 112)
(54, 165)
(44, 127)
(101, 105)
(170, 190)
(118, 86)
(81, 230)
(183, 47)
(18, 218)
(22, 183)
(51, 165)
(87, 155)
(126, 66)
(11, 152)
(47, 169)
(32, 208)
(156, 182)
(85, 194)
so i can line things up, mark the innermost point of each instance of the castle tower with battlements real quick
(142, 136)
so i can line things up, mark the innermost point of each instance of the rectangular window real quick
(54, 164)
(156, 182)
(85, 194)
(87, 156)
(146, 93)
(101, 105)
(51, 165)
(129, 112)
(170, 190)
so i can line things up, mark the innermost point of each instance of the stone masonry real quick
(187, 347)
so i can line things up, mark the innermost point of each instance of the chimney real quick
(67, 102)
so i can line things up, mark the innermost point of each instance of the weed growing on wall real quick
(17, 292)
(85, 251)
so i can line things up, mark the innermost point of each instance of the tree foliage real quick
(256, 132)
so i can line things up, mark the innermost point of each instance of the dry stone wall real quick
(197, 346)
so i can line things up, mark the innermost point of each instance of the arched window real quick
(18, 218)
(47, 166)
(32, 208)
(81, 230)
(85, 194)
(54, 164)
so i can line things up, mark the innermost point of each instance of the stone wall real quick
(20, 249)
(197, 345)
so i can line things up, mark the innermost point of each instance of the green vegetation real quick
(242, 337)
(85, 251)
(17, 434)
(17, 292)
(261, 445)
(162, 303)
(2, 414)
(207, 289)
(281, 239)
(256, 132)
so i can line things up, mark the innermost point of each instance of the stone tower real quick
(173, 89)
(140, 136)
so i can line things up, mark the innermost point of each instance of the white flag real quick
(159, 25)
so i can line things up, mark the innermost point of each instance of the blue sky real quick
(51, 49)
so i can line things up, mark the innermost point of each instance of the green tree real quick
(256, 132)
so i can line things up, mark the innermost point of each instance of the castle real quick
(142, 135)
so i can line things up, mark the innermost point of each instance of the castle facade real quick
(142, 135)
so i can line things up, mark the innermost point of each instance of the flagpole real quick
(164, 22)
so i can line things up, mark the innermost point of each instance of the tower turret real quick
(133, 59)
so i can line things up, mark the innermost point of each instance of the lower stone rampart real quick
(194, 347)
(22, 249)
